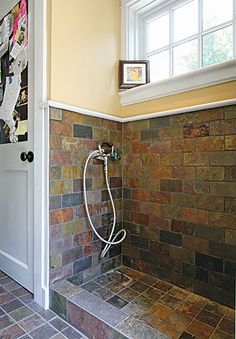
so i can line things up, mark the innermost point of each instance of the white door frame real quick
(41, 163)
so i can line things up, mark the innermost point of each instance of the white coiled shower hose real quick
(110, 241)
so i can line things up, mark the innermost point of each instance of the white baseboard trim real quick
(139, 117)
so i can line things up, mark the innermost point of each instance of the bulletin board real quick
(14, 75)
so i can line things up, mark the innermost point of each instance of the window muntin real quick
(201, 38)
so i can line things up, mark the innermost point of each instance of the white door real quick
(16, 195)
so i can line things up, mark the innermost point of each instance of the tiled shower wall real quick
(74, 249)
(179, 180)
(179, 198)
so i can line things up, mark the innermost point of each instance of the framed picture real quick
(133, 73)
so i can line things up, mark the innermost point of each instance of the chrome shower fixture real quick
(107, 150)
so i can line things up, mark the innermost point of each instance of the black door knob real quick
(30, 156)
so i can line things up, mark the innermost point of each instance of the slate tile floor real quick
(21, 317)
(148, 302)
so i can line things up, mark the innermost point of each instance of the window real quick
(186, 35)
(191, 44)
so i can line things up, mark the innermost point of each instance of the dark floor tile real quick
(21, 313)
(148, 279)
(139, 287)
(71, 333)
(5, 321)
(186, 335)
(2, 290)
(103, 293)
(117, 301)
(12, 286)
(6, 297)
(59, 324)
(216, 308)
(90, 286)
(46, 331)
(35, 307)
(47, 314)
(5, 281)
(31, 323)
(208, 318)
(12, 332)
(28, 298)
(227, 326)
(12, 305)
(19, 292)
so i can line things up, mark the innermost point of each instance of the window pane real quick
(216, 12)
(185, 57)
(218, 46)
(158, 33)
(159, 66)
(185, 20)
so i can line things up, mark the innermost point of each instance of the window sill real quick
(200, 78)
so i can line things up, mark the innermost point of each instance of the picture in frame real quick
(133, 73)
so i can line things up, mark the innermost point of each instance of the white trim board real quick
(200, 78)
(41, 145)
(59, 105)
(80, 110)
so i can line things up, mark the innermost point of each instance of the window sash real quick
(162, 10)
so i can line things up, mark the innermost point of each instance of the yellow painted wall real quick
(84, 54)
(206, 95)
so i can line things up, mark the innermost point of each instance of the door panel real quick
(16, 196)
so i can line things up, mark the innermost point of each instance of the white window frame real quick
(133, 14)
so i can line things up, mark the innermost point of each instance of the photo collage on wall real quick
(14, 75)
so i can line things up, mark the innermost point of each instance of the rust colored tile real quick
(162, 286)
(160, 311)
(60, 216)
(189, 309)
(195, 216)
(179, 293)
(178, 320)
(199, 329)
(170, 301)
(169, 330)
(128, 294)
(196, 130)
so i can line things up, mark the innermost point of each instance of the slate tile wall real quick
(74, 249)
(179, 188)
